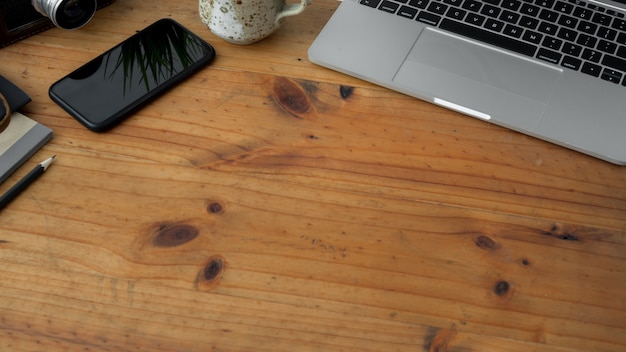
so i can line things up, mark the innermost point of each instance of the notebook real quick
(552, 69)
(23, 136)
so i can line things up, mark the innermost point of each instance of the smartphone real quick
(110, 87)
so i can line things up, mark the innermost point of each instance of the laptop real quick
(552, 69)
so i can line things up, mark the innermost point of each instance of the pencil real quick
(25, 182)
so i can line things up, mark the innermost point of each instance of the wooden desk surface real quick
(270, 204)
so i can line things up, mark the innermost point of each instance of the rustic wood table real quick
(271, 204)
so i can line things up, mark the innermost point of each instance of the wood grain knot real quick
(211, 273)
(562, 233)
(346, 91)
(214, 269)
(172, 235)
(215, 208)
(439, 339)
(291, 96)
(501, 288)
(485, 242)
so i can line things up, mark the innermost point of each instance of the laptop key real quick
(407, 12)
(475, 19)
(388, 6)
(494, 25)
(583, 13)
(472, 5)
(591, 55)
(614, 62)
(564, 7)
(545, 3)
(509, 17)
(548, 15)
(587, 27)
(513, 5)
(490, 11)
(611, 75)
(591, 69)
(602, 19)
(532, 37)
(587, 41)
(567, 34)
(606, 46)
(456, 14)
(552, 43)
(572, 63)
(619, 24)
(572, 49)
(513, 31)
(488, 37)
(596, 7)
(607, 33)
(529, 22)
(568, 21)
(548, 28)
(614, 13)
(437, 8)
(428, 18)
(370, 3)
(420, 4)
(530, 10)
(550, 56)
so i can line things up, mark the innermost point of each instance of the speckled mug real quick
(246, 21)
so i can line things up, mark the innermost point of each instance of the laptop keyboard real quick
(573, 34)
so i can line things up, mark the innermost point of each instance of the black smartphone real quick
(110, 87)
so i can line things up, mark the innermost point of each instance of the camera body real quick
(19, 19)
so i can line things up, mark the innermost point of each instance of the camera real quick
(67, 14)
(22, 18)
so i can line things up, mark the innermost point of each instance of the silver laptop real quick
(552, 69)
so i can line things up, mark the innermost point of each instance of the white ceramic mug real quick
(246, 21)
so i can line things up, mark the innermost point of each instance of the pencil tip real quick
(47, 162)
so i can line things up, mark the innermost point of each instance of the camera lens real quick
(67, 14)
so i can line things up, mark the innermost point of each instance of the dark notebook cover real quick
(23, 137)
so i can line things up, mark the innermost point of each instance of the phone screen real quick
(111, 86)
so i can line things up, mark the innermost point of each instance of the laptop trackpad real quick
(510, 90)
